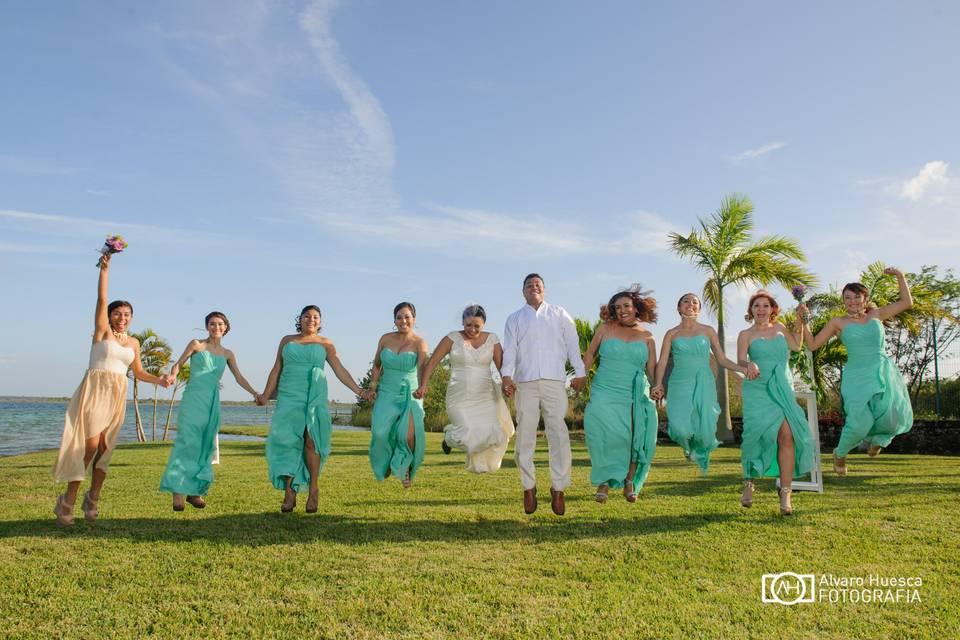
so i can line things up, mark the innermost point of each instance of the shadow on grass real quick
(265, 529)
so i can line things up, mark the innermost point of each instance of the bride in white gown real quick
(480, 421)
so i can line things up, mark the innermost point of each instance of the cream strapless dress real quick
(97, 407)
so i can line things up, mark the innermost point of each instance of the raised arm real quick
(274, 376)
(795, 343)
(901, 305)
(235, 370)
(814, 342)
(341, 372)
(101, 322)
(438, 354)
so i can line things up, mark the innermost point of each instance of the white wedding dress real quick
(481, 423)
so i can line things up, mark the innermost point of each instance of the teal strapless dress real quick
(301, 406)
(767, 402)
(190, 470)
(875, 398)
(692, 408)
(620, 421)
(390, 420)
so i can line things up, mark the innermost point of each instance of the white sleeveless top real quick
(109, 355)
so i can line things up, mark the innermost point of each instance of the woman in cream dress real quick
(98, 406)
(480, 421)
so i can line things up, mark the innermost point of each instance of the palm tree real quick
(723, 247)
(183, 376)
(155, 353)
(585, 333)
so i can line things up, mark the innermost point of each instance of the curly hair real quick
(645, 305)
(774, 307)
(309, 307)
(222, 316)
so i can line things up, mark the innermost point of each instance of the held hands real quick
(261, 400)
(657, 394)
(509, 388)
(371, 394)
(578, 384)
(420, 392)
(751, 371)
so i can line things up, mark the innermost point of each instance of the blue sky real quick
(260, 156)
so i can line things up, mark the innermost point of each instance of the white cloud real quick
(933, 174)
(752, 154)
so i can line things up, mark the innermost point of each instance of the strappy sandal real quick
(786, 508)
(628, 491)
(196, 502)
(840, 468)
(89, 507)
(66, 519)
(602, 492)
(312, 502)
(746, 498)
(874, 450)
(406, 480)
(289, 503)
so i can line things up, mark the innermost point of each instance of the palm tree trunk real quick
(154, 436)
(166, 426)
(141, 436)
(724, 425)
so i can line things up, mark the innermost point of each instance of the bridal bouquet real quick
(112, 245)
(799, 291)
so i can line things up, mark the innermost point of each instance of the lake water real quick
(33, 426)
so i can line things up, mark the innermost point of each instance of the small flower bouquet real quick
(799, 292)
(112, 245)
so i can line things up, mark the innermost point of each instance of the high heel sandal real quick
(196, 502)
(628, 491)
(406, 480)
(312, 502)
(840, 468)
(602, 492)
(874, 450)
(66, 519)
(786, 508)
(90, 508)
(746, 498)
(289, 502)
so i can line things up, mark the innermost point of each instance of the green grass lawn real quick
(454, 556)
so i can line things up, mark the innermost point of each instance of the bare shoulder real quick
(707, 330)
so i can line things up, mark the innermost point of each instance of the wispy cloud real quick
(69, 225)
(752, 154)
(35, 166)
(931, 175)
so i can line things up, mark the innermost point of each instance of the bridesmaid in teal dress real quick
(620, 421)
(396, 432)
(876, 404)
(300, 431)
(189, 470)
(776, 436)
(692, 409)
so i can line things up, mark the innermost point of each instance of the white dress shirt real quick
(538, 342)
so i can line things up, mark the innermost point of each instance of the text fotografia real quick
(805, 588)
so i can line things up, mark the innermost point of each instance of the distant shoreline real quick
(164, 401)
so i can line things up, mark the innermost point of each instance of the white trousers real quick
(548, 396)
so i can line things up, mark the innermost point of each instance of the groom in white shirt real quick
(537, 342)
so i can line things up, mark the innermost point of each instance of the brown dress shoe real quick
(556, 502)
(529, 500)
